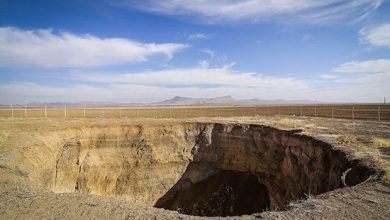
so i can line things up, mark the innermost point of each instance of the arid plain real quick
(279, 167)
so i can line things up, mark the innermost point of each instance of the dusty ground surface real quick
(22, 199)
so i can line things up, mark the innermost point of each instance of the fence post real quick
(84, 111)
(12, 111)
(353, 112)
(45, 111)
(379, 113)
(65, 111)
(25, 111)
(170, 111)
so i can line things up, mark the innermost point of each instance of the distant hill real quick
(227, 100)
(177, 100)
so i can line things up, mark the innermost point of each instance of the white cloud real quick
(44, 48)
(368, 81)
(26, 92)
(203, 75)
(340, 10)
(209, 52)
(368, 66)
(204, 64)
(157, 85)
(202, 81)
(197, 36)
(351, 88)
(378, 36)
(16, 93)
(307, 11)
(329, 76)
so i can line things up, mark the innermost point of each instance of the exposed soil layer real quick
(284, 166)
(205, 169)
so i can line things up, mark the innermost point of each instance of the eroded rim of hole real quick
(285, 165)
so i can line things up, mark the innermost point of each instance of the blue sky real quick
(146, 51)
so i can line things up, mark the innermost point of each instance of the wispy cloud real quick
(368, 66)
(366, 81)
(329, 76)
(209, 52)
(340, 10)
(305, 11)
(376, 36)
(204, 81)
(149, 86)
(45, 48)
(15, 93)
(360, 81)
(197, 76)
(199, 36)
(360, 87)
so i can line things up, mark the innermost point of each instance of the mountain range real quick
(227, 100)
(177, 100)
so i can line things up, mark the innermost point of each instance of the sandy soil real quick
(369, 141)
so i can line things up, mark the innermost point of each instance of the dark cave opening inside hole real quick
(226, 193)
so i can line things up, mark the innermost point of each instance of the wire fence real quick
(354, 112)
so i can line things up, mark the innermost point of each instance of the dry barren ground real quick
(121, 168)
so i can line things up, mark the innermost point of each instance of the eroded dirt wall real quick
(166, 164)
(290, 165)
(139, 162)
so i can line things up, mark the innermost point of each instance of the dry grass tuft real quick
(3, 136)
(373, 151)
(381, 142)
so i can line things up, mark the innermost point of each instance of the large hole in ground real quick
(194, 168)
(226, 193)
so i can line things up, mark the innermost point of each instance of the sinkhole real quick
(226, 193)
(201, 169)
